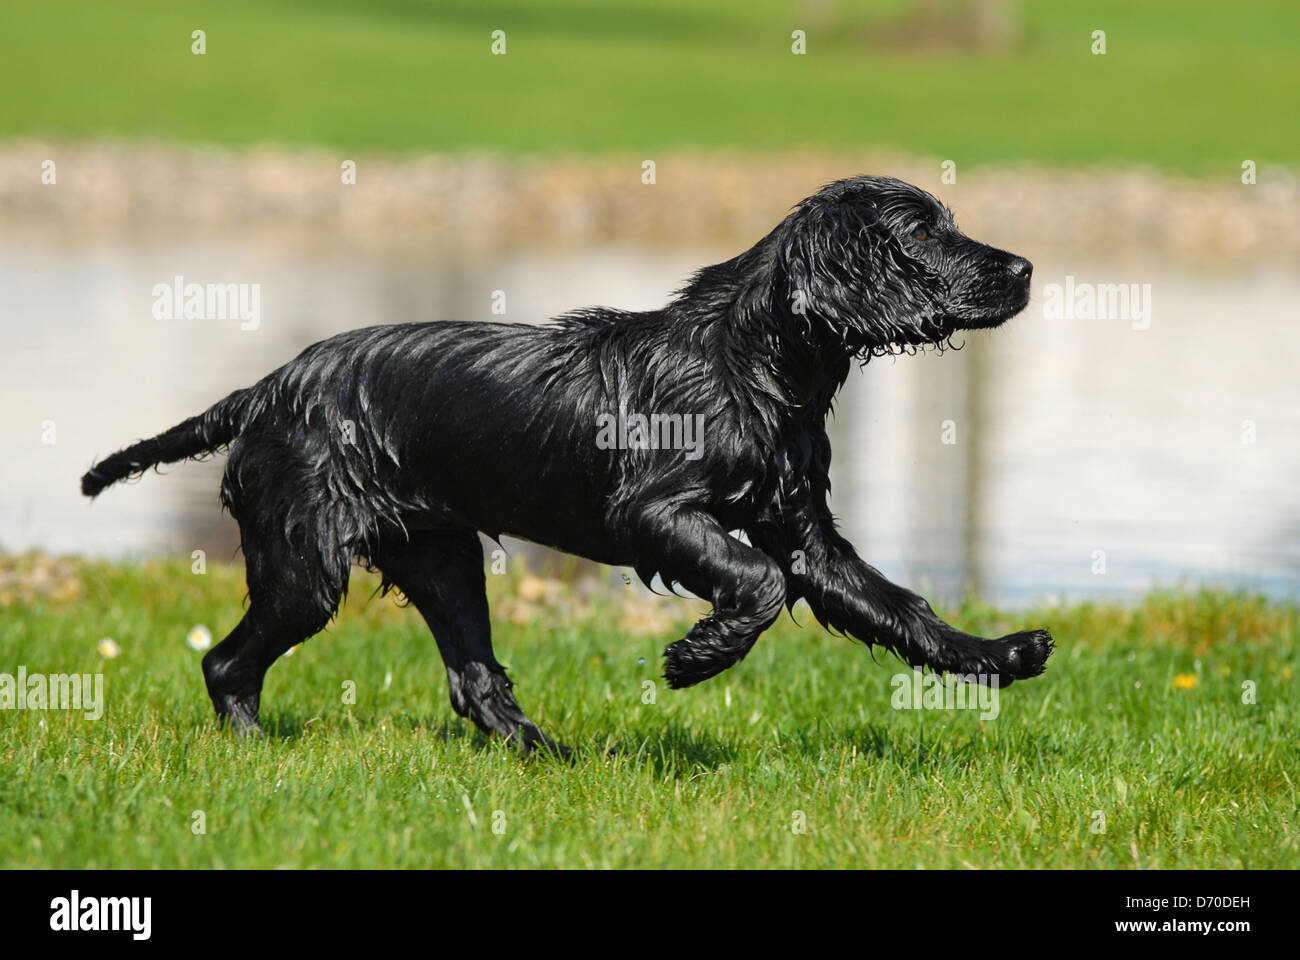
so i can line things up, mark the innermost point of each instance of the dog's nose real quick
(1020, 267)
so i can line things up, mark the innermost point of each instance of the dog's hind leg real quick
(293, 593)
(441, 573)
(747, 589)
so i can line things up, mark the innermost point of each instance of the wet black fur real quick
(395, 444)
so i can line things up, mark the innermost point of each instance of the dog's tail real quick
(209, 431)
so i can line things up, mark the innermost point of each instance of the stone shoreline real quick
(479, 203)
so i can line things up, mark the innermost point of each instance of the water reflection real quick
(1015, 466)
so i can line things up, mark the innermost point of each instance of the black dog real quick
(393, 445)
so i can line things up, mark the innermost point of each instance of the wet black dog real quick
(629, 438)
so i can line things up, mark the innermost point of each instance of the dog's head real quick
(881, 266)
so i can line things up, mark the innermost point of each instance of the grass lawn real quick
(1195, 85)
(1139, 723)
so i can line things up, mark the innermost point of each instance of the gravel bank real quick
(425, 206)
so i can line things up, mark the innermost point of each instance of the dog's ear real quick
(830, 260)
(839, 271)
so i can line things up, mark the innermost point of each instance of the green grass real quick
(1184, 777)
(1196, 85)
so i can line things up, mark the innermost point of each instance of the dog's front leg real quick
(847, 594)
(747, 589)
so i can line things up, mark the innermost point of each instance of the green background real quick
(1192, 85)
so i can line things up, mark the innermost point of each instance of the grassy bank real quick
(1194, 85)
(1138, 728)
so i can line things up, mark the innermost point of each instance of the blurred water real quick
(1071, 436)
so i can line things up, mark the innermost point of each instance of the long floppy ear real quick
(838, 268)
(827, 262)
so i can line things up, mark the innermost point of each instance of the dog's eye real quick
(921, 233)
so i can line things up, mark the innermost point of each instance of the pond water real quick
(1059, 457)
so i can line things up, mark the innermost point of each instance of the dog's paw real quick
(690, 661)
(681, 666)
(1023, 655)
(711, 646)
(533, 742)
(241, 719)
